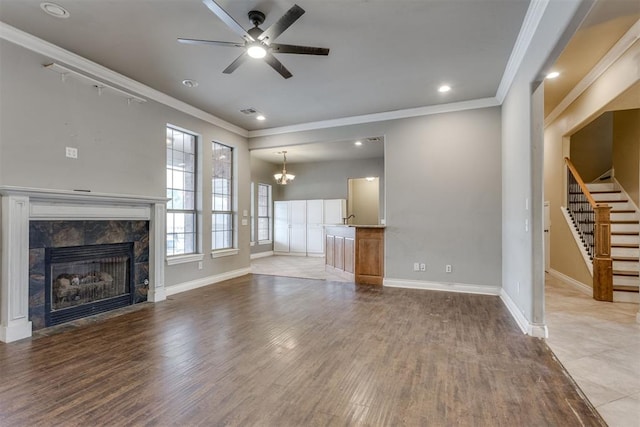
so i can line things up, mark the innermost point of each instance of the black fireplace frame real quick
(86, 253)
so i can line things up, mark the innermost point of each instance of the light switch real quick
(245, 222)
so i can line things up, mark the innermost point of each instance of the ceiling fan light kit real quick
(258, 43)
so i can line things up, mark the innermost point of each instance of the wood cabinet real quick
(356, 253)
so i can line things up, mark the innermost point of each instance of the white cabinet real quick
(290, 227)
(298, 225)
(281, 227)
(315, 227)
(335, 210)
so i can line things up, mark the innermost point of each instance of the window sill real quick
(183, 259)
(224, 252)
(265, 242)
(252, 244)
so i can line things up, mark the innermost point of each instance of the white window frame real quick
(269, 216)
(194, 253)
(218, 202)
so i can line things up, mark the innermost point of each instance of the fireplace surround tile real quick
(54, 234)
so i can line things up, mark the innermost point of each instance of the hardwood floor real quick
(274, 351)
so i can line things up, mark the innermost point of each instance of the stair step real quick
(603, 192)
(615, 211)
(612, 200)
(626, 273)
(625, 233)
(625, 288)
(625, 258)
(625, 221)
(625, 245)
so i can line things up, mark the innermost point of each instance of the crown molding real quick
(56, 53)
(616, 51)
(529, 26)
(379, 117)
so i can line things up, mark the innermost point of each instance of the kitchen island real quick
(356, 252)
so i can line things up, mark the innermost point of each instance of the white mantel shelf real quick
(78, 195)
(23, 204)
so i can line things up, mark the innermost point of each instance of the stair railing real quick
(593, 222)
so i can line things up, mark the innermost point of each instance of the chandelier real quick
(284, 177)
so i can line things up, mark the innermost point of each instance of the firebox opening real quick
(86, 280)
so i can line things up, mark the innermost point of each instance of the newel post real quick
(602, 262)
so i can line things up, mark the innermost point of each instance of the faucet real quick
(345, 220)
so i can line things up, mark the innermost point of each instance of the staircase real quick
(625, 240)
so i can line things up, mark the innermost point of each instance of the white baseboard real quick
(582, 287)
(447, 287)
(528, 328)
(261, 255)
(205, 281)
(289, 253)
(534, 330)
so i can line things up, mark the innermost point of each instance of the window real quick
(253, 214)
(264, 212)
(181, 191)
(222, 197)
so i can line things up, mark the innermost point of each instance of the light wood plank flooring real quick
(273, 351)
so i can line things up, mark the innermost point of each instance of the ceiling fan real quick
(258, 43)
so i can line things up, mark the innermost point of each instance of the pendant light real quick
(284, 177)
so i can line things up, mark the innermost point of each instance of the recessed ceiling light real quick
(358, 143)
(54, 10)
(553, 75)
(444, 88)
(190, 83)
(260, 117)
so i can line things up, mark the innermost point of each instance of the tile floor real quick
(293, 266)
(598, 343)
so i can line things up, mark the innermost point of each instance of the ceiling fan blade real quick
(210, 42)
(235, 64)
(277, 65)
(228, 19)
(282, 24)
(303, 50)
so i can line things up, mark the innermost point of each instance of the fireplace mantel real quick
(22, 204)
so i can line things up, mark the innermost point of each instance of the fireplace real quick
(36, 222)
(84, 280)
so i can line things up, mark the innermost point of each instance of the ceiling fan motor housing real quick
(256, 17)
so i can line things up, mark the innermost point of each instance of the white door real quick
(315, 229)
(281, 226)
(547, 237)
(298, 227)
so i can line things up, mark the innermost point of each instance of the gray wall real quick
(522, 165)
(328, 180)
(442, 188)
(626, 151)
(262, 173)
(592, 146)
(121, 147)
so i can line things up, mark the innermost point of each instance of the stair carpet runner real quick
(625, 235)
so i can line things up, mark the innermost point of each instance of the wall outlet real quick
(416, 266)
(423, 267)
(71, 152)
(199, 265)
(447, 268)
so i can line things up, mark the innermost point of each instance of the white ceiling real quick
(386, 55)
